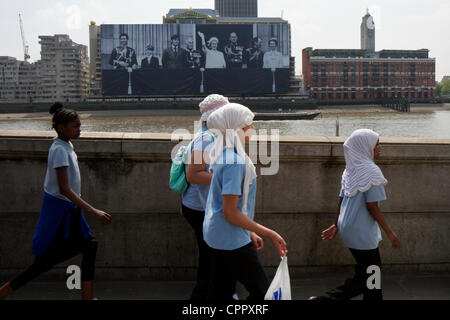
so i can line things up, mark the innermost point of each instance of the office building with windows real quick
(95, 64)
(366, 75)
(18, 80)
(236, 8)
(62, 74)
(64, 70)
(359, 75)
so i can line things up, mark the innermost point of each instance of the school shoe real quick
(350, 289)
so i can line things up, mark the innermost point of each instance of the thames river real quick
(421, 122)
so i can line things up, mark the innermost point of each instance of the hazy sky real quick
(400, 24)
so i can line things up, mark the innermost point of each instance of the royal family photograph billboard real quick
(177, 59)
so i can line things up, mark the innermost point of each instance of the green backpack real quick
(177, 179)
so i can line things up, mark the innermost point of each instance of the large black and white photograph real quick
(167, 59)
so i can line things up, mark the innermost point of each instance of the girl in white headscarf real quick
(358, 216)
(194, 199)
(228, 227)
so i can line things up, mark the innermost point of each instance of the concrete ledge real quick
(126, 174)
(149, 144)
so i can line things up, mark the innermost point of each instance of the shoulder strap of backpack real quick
(200, 134)
(207, 133)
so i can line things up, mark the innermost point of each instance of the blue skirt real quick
(55, 212)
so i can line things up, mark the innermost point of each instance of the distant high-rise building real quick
(368, 33)
(18, 80)
(95, 63)
(237, 8)
(9, 77)
(64, 70)
(62, 74)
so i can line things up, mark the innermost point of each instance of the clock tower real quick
(368, 33)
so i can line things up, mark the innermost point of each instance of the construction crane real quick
(26, 56)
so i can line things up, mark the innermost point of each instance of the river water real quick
(425, 123)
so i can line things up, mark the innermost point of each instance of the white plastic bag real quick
(280, 288)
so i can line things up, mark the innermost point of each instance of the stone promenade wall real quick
(126, 174)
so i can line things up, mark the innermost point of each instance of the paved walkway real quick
(409, 286)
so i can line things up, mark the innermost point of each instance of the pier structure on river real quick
(399, 104)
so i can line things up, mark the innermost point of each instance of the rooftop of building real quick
(190, 13)
(208, 12)
(257, 19)
(59, 36)
(361, 53)
(8, 58)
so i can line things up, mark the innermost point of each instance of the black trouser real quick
(239, 265)
(195, 219)
(200, 291)
(61, 250)
(358, 284)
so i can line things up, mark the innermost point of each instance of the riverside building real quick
(366, 75)
(95, 63)
(18, 80)
(60, 75)
(64, 70)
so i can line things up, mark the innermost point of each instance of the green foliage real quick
(438, 89)
(445, 88)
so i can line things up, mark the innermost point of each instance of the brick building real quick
(360, 75)
(365, 75)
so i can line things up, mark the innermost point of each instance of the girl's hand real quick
(329, 233)
(258, 242)
(102, 216)
(279, 243)
(394, 240)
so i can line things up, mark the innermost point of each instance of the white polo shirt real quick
(61, 154)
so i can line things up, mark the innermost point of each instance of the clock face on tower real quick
(370, 24)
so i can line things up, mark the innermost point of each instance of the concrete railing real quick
(126, 174)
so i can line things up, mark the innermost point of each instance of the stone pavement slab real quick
(401, 286)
